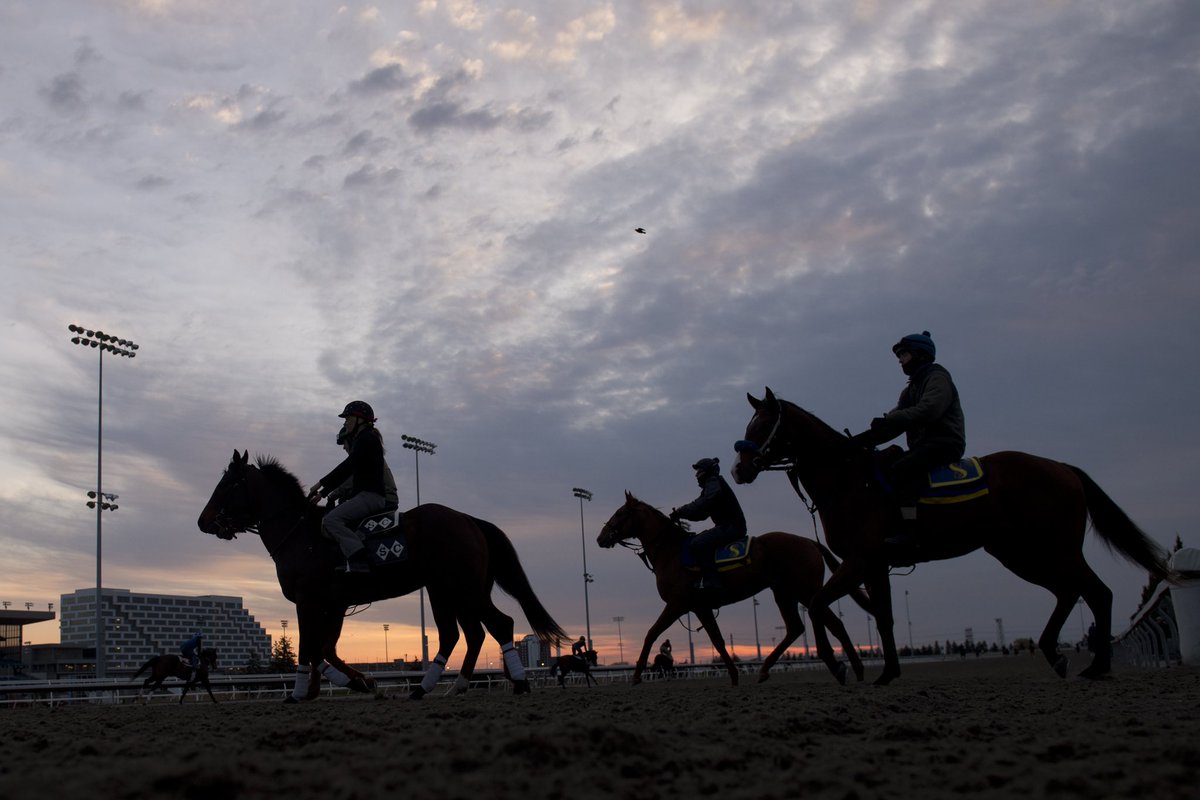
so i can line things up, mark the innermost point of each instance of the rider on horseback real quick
(929, 412)
(717, 501)
(579, 648)
(364, 464)
(191, 649)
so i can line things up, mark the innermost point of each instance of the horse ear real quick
(245, 458)
(769, 398)
(755, 403)
(628, 497)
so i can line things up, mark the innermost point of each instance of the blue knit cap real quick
(916, 343)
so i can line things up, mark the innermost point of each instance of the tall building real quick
(532, 652)
(139, 625)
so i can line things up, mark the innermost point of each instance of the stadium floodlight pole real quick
(620, 641)
(584, 494)
(757, 643)
(102, 342)
(419, 446)
(908, 614)
(385, 647)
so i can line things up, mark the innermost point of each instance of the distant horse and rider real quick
(1031, 515)
(565, 665)
(172, 666)
(791, 566)
(457, 558)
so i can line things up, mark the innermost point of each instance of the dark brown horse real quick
(1032, 520)
(564, 665)
(456, 557)
(172, 666)
(792, 567)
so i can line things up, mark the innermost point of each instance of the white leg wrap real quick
(434, 673)
(513, 661)
(300, 690)
(334, 675)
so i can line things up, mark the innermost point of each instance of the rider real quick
(579, 648)
(191, 649)
(929, 412)
(344, 492)
(665, 649)
(365, 465)
(717, 501)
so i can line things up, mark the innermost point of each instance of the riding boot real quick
(356, 562)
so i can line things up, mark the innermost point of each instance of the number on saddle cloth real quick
(728, 556)
(385, 538)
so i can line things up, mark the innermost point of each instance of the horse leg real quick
(447, 627)
(840, 583)
(500, 625)
(793, 628)
(669, 614)
(834, 623)
(311, 619)
(207, 686)
(473, 632)
(706, 618)
(1099, 600)
(334, 669)
(879, 587)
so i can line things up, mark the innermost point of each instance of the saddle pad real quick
(955, 483)
(384, 538)
(729, 556)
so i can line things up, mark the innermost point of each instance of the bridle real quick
(764, 461)
(228, 525)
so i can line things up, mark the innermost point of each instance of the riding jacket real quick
(717, 501)
(364, 464)
(928, 411)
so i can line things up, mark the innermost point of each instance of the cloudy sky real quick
(431, 206)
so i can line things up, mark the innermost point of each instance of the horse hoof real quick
(886, 678)
(840, 673)
(522, 687)
(416, 694)
(289, 700)
(359, 685)
(1096, 672)
(1061, 665)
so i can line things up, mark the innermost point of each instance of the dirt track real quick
(1000, 727)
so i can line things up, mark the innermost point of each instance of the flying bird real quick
(639, 230)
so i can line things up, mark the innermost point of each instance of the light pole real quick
(620, 641)
(419, 446)
(584, 494)
(386, 660)
(691, 646)
(757, 643)
(908, 614)
(102, 342)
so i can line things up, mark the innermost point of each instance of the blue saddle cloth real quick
(729, 556)
(955, 483)
(384, 537)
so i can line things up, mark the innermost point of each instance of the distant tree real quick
(283, 658)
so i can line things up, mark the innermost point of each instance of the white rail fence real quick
(1165, 631)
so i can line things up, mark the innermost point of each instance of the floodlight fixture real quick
(419, 446)
(584, 494)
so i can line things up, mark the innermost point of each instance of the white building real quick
(139, 625)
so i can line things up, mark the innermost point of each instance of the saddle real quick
(953, 483)
(385, 538)
(730, 556)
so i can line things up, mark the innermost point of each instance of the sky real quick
(431, 206)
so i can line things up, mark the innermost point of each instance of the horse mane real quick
(640, 502)
(834, 433)
(278, 474)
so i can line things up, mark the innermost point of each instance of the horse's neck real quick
(282, 520)
(661, 541)
(821, 460)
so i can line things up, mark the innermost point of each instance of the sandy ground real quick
(999, 727)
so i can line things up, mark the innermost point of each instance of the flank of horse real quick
(791, 566)
(1033, 521)
(563, 665)
(172, 666)
(456, 557)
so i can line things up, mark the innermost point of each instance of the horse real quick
(1032, 519)
(172, 666)
(663, 666)
(456, 557)
(573, 663)
(791, 566)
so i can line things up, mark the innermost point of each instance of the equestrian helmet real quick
(360, 409)
(916, 343)
(707, 466)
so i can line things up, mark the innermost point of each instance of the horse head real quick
(230, 509)
(208, 658)
(633, 520)
(760, 447)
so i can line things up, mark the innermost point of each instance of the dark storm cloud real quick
(65, 93)
(380, 81)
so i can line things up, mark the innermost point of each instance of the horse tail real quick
(1121, 534)
(505, 567)
(143, 667)
(857, 594)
